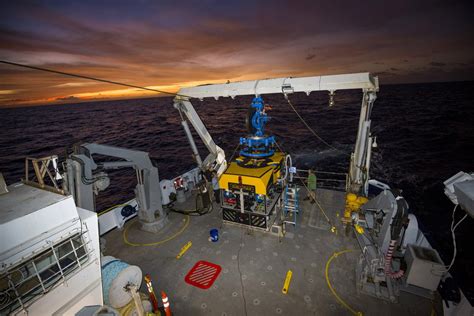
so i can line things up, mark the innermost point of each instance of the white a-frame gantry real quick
(360, 158)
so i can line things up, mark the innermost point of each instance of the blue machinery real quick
(257, 181)
(260, 145)
(257, 145)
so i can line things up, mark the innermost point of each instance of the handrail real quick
(337, 181)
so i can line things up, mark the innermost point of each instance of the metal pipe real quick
(191, 142)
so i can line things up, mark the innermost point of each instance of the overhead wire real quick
(235, 150)
(90, 78)
(84, 179)
(446, 269)
(333, 227)
(163, 92)
(309, 127)
(158, 91)
(453, 229)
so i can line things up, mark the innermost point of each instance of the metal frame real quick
(288, 85)
(41, 169)
(360, 159)
(259, 221)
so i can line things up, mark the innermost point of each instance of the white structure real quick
(360, 160)
(49, 253)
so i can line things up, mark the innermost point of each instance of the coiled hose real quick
(388, 262)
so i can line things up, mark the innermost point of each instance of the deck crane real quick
(216, 159)
(360, 158)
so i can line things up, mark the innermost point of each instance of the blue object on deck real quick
(214, 234)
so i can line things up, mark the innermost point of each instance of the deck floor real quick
(263, 260)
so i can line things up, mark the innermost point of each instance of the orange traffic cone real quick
(166, 303)
(151, 293)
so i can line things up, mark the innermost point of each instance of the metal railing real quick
(326, 179)
(23, 284)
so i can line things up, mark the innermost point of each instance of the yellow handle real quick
(184, 249)
(286, 286)
(359, 229)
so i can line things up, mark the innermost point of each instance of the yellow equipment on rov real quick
(252, 175)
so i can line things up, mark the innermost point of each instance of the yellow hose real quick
(125, 239)
(339, 299)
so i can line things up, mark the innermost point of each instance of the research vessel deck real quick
(281, 250)
(261, 260)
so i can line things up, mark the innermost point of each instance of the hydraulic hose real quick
(388, 262)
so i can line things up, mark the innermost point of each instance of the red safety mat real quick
(203, 274)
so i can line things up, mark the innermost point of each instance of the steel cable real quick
(90, 78)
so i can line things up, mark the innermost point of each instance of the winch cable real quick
(197, 211)
(440, 271)
(91, 78)
(333, 227)
(319, 137)
(168, 93)
(233, 154)
(309, 127)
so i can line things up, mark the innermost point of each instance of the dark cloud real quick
(158, 43)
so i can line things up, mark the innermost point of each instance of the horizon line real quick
(159, 95)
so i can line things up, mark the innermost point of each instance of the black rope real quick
(235, 150)
(90, 78)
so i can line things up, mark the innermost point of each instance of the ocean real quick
(425, 134)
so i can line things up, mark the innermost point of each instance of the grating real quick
(203, 274)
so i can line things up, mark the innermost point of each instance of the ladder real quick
(290, 204)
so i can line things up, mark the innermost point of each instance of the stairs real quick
(290, 204)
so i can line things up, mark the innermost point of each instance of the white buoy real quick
(116, 274)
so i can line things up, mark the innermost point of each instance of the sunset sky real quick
(169, 44)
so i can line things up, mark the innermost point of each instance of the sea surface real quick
(425, 134)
